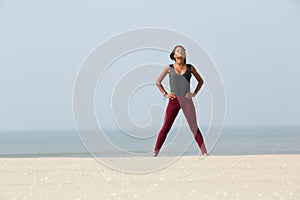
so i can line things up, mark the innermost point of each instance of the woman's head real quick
(178, 52)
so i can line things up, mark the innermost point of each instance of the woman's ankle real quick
(155, 153)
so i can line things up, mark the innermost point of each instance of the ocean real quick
(232, 141)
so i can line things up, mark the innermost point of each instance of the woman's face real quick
(179, 52)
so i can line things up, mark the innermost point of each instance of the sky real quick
(255, 45)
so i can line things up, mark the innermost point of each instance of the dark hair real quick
(173, 52)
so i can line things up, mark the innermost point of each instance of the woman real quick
(179, 97)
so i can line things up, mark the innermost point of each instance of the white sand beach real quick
(189, 177)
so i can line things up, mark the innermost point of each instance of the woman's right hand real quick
(171, 95)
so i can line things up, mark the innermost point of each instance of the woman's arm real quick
(161, 78)
(199, 85)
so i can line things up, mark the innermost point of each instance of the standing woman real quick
(180, 97)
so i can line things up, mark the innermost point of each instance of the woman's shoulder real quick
(170, 66)
(167, 68)
(191, 66)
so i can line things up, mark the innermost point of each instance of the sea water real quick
(232, 141)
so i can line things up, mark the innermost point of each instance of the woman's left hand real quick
(189, 95)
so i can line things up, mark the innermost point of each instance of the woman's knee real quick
(194, 129)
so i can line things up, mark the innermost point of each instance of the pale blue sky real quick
(255, 45)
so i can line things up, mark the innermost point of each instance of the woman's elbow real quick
(201, 82)
(158, 83)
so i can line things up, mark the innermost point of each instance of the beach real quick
(188, 177)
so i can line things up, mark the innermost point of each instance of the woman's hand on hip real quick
(189, 95)
(171, 95)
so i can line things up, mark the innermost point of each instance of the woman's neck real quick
(180, 62)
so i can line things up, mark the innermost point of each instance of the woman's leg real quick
(170, 115)
(188, 109)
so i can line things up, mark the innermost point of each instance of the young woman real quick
(180, 97)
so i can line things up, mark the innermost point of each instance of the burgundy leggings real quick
(172, 110)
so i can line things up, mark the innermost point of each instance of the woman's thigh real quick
(189, 112)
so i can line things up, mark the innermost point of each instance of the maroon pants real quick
(172, 110)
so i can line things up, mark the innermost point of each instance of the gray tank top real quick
(180, 84)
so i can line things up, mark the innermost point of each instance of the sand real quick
(188, 177)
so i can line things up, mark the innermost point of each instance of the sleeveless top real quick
(180, 84)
